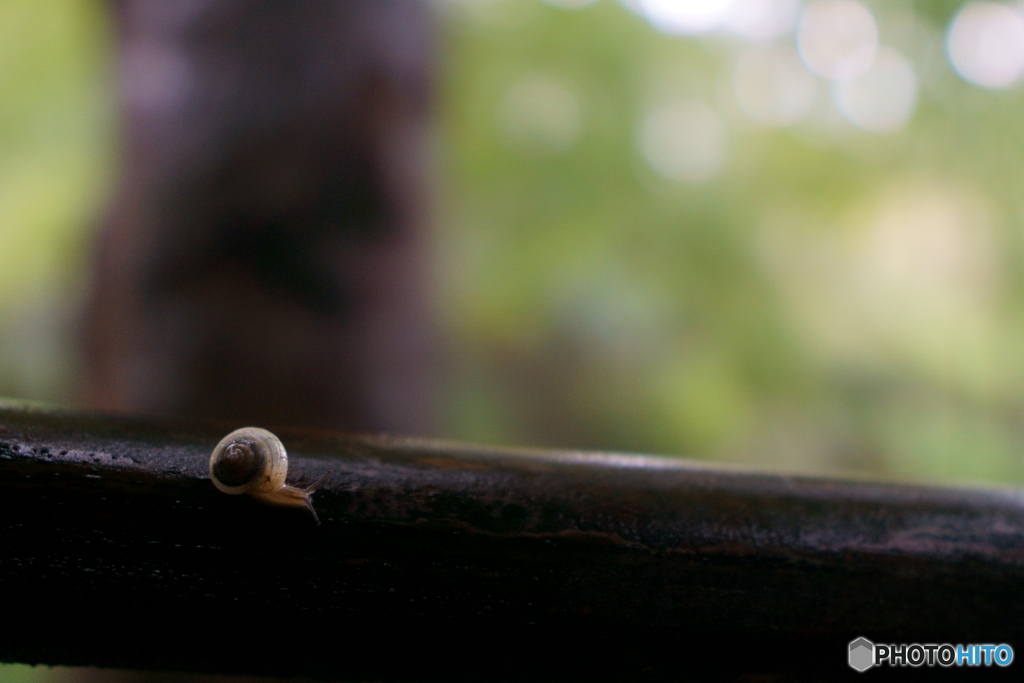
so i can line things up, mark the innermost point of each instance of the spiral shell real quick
(253, 461)
(249, 460)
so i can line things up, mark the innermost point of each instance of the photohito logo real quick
(863, 654)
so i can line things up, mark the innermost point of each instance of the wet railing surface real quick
(443, 561)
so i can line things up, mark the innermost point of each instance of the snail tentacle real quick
(292, 496)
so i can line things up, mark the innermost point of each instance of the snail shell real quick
(253, 461)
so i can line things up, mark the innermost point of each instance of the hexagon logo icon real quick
(862, 654)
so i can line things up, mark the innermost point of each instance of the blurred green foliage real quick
(832, 299)
(22, 673)
(56, 153)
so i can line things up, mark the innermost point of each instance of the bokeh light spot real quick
(684, 141)
(883, 99)
(685, 17)
(838, 39)
(762, 19)
(772, 86)
(539, 116)
(986, 44)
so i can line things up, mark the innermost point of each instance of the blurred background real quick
(757, 231)
(746, 230)
(708, 228)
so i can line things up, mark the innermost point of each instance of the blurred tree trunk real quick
(264, 257)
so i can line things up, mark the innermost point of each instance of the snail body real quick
(253, 461)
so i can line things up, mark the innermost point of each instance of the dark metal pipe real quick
(443, 561)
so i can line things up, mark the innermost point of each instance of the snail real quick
(252, 460)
